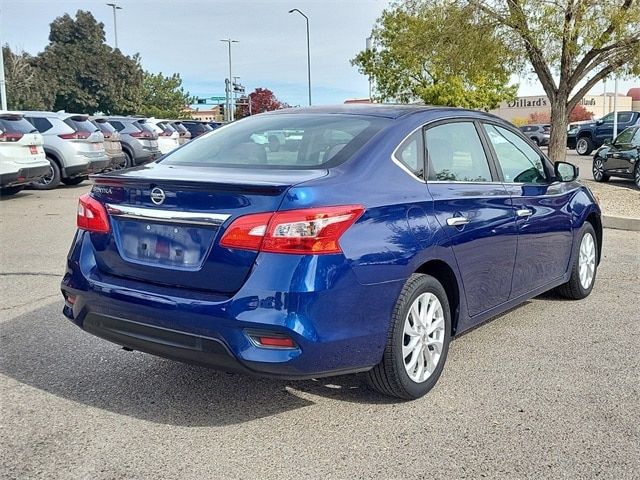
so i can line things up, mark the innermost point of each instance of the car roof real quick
(124, 118)
(40, 113)
(386, 110)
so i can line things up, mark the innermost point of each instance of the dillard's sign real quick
(539, 102)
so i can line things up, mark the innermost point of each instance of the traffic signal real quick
(221, 107)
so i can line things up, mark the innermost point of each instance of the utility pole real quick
(115, 24)
(230, 115)
(3, 83)
(368, 48)
(615, 107)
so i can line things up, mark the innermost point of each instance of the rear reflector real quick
(305, 231)
(92, 215)
(273, 342)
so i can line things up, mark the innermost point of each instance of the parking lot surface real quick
(550, 389)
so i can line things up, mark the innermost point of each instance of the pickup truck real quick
(585, 138)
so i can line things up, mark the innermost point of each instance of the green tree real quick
(26, 87)
(571, 45)
(439, 52)
(164, 97)
(85, 74)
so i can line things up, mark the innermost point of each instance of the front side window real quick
(519, 162)
(636, 138)
(625, 137)
(297, 141)
(455, 153)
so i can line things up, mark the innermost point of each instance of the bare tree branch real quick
(606, 71)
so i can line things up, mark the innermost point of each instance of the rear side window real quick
(41, 124)
(625, 117)
(16, 124)
(290, 141)
(519, 162)
(455, 153)
(409, 154)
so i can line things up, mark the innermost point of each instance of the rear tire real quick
(585, 266)
(74, 181)
(8, 191)
(50, 180)
(421, 337)
(636, 173)
(584, 146)
(597, 170)
(129, 160)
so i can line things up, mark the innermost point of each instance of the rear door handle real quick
(457, 221)
(524, 212)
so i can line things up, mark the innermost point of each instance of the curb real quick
(621, 223)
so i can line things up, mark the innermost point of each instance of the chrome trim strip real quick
(169, 216)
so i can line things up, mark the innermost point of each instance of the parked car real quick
(168, 137)
(139, 140)
(74, 147)
(22, 158)
(585, 138)
(388, 231)
(620, 158)
(112, 144)
(538, 134)
(185, 135)
(196, 127)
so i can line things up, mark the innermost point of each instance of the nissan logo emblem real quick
(157, 196)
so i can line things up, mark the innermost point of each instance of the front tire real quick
(585, 266)
(417, 342)
(598, 170)
(584, 146)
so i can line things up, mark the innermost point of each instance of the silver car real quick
(73, 145)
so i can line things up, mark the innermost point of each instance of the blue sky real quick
(183, 36)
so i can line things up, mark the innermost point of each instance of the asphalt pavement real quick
(547, 390)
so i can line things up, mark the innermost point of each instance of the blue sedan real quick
(323, 241)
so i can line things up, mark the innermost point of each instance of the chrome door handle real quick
(457, 221)
(524, 212)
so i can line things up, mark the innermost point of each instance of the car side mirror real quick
(565, 171)
(599, 122)
(608, 141)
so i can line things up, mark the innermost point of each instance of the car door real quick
(540, 206)
(622, 151)
(474, 209)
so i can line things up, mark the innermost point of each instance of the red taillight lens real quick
(10, 137)
(305, 231)
(278, 342)
(142, 135)
(75, 135)
(92, 216)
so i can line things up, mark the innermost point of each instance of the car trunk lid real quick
(166, 222)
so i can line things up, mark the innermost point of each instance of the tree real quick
(439, 52)
(164, 97)
(262, 100)
(539, 117)
(571, 45)
(27, 89)
(85, 74)
(579, 113)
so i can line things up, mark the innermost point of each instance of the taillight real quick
(10, 137)
(80, 135)
(92, 216)
(142, 135)
(310, 230)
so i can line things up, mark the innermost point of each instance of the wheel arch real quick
(595, 220)
(585, 133)
(442, 272)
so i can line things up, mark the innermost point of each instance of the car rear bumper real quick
(338, 325)
(23, 175)
(116, 159)
(73, 171)
(99, 164)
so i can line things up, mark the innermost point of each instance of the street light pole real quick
(3, 83)
(115, 24)
(308, 51)
(230, 114)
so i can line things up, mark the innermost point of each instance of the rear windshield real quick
(180, 128)
(146, 127)
(81, 125)
(16, 124)
(295, 141)
(166, 127)
(105, 127)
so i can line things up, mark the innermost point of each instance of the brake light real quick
(10, 137)
(92, 216)
(311, 230)
(80, 135)
(141, 135)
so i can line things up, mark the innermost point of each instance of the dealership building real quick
(598, 105)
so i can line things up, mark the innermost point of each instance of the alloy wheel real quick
(581, 146)
(637, 175)
(48, 178)
(587, 260)
(598, 170)
(423, 337)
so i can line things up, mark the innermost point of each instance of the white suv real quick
(168, 137)
(73, 145)
(22, 158)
